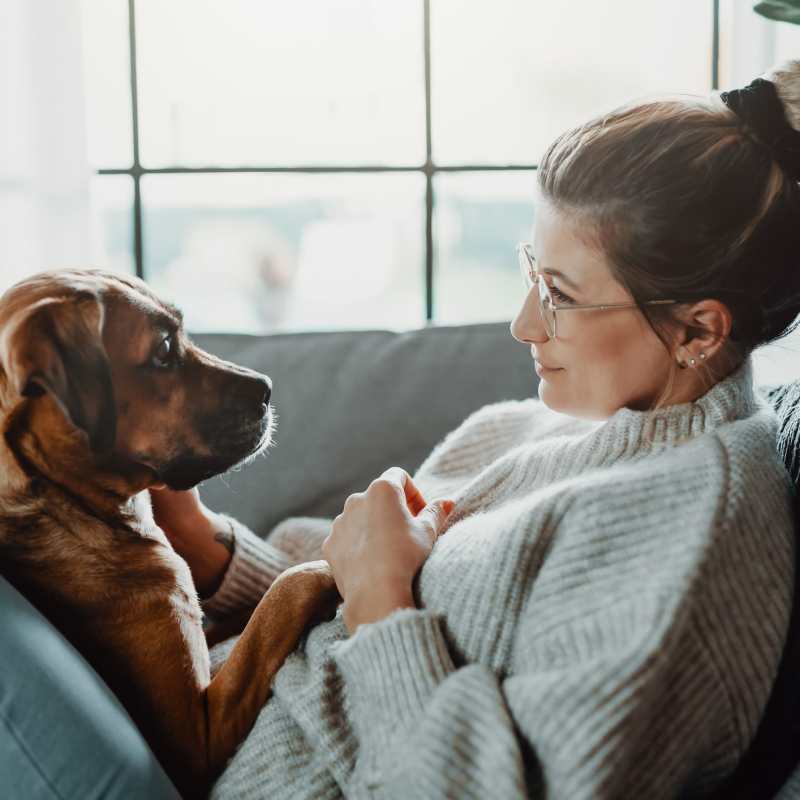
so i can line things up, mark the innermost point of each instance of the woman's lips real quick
(541, 369)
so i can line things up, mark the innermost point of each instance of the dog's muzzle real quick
(240, 429)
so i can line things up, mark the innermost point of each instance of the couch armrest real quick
(64, 734)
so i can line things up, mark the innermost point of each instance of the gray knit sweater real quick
(602, 618)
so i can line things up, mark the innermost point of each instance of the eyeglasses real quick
(547, 306)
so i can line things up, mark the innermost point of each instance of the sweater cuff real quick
(254, 565)
(392, 667)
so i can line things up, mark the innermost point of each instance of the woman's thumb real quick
(437, 512)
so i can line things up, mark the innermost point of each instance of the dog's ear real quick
(56, 346)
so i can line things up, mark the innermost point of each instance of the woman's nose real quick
(528, 325)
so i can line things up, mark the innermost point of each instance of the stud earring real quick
(702, 356)
(692, 362)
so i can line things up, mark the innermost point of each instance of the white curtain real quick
(44, 170)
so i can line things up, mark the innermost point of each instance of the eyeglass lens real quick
(546, 308)
(528, 268)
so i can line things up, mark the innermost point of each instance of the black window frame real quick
(429, 168)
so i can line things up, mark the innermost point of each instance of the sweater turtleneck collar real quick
(731, 398)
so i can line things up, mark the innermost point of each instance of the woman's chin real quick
(556, 400)
(547, 395)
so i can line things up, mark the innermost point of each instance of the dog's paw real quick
(316, 570)
(309, 583)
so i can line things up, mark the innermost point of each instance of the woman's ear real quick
(55, 347)
(705, 328)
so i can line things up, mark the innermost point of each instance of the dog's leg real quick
(219, 631)
(235, 696)
(193, 723)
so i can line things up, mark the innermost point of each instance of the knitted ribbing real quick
(602, 617)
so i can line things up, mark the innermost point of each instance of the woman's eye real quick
(163, 355)
(559, 295)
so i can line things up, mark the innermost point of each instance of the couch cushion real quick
(63, 733)
(351, 404)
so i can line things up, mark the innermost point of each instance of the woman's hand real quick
(378, 543)
(201, 537)
(178, 514)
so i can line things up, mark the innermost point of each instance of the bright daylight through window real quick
(307, 165)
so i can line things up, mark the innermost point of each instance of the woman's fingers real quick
(433, 516)
(400, 478)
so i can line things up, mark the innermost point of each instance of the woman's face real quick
(601, 360)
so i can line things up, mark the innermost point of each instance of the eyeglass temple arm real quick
(612, 305)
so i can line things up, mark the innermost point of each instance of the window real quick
(281, 166)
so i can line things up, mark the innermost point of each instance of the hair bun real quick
(762, 106)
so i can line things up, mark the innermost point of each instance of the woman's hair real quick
(688, 201)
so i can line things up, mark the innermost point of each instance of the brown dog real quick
(102, 395)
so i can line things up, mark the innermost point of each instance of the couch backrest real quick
(351, 404)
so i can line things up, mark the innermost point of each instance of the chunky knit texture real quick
(602, 617)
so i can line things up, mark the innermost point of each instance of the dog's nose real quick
(249, 394)
(259, 389)
(256, 390)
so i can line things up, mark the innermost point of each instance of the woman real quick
(598, 608)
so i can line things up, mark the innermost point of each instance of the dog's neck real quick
(104, 486)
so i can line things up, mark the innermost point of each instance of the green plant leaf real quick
(780, 10)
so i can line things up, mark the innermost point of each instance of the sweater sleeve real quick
(252, 568)
(641, 714)
(256, 562)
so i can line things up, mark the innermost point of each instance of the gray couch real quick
(349, 405)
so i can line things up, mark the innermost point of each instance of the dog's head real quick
(98, 376)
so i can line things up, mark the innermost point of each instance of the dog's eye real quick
(164, 354)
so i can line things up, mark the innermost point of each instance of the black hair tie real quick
(759, 106)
